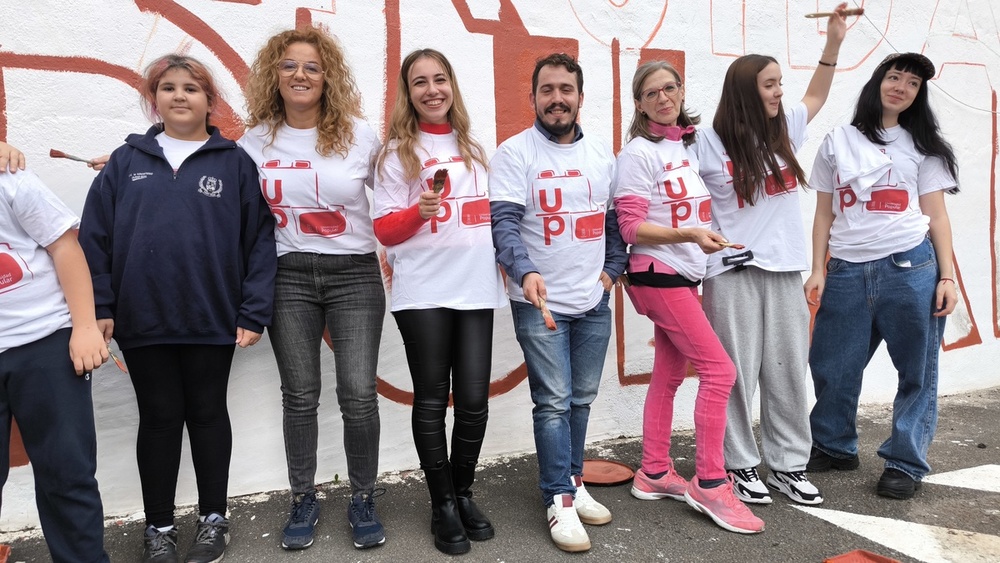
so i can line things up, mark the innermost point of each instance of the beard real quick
(556, 128)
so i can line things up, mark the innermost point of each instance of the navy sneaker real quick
(301, 525)
(365, 525)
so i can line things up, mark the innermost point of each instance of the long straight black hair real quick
(918, 119)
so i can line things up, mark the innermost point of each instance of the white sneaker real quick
(748, 486)
(795, 485)
(590, 511)
(564, 525)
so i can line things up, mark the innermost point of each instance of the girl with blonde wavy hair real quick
(315, 154)
(432, 214)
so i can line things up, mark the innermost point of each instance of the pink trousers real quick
(682, 334)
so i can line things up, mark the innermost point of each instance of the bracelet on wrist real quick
(824, 63)
(946, 280)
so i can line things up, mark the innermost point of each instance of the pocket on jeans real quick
(834, 264)
(920, 256)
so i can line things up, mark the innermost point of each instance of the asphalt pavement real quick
(958, 521)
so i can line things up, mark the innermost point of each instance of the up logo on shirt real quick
(682, 204)
(11, 269)
(772, 186)
(885, 198)
(474, 207)
(568, 196)
(316, 220)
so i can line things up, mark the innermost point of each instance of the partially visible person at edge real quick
(445, 283)
(555, 229)
(316, 153)
(49, 345)
(664, 213)
(880, 212)
(753, 297)
(180, 202)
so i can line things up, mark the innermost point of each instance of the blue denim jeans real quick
(890, 299)
(564, 373)
(343, 293)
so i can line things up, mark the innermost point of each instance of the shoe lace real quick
(160, 544)
(206, 533)
(749, 474)
(302, 509)
(363, 505)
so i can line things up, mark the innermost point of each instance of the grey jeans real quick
(343, 293)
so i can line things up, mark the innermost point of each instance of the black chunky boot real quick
(477, 526)
(446, 524)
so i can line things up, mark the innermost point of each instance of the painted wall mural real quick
(68, 72)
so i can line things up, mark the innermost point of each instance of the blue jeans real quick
(890, 299)
(564, 373)
(55, 413)
(344, 294)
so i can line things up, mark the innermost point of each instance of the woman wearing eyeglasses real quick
(315, 154)
(663, 212)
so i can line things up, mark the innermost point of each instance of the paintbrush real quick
(847, 12)
(439, 177)
(118, 361)
(550, 323)
(734, 245)
(53, 153)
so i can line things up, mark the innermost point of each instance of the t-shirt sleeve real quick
(39, 211)
(933, 175)
(824, 173)
(392, 190)
(797, 119)
(507, 178)
(633, 177)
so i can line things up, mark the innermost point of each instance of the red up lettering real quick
(847, 198)
(444, 214)
(552, 225)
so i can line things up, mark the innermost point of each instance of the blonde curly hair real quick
(341, 100)
(404, 126)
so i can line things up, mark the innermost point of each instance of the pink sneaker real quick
(670, 485)
(721, 505)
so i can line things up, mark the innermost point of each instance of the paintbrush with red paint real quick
(53, 153)
(439, 177)
(550, 323)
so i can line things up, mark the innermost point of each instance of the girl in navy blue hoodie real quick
(180, 244)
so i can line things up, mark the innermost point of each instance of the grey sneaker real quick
(210, 540)
(161, 547)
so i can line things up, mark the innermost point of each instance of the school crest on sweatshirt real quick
(210, 186)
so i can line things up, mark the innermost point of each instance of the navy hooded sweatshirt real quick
(180, 257)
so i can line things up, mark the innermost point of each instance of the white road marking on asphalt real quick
(930, 544)
(982, 478)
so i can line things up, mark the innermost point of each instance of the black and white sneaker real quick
(795, 485)
(748, 486)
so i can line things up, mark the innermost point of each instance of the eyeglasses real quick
(670, 88)
(289, 67)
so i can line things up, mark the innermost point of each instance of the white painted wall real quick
(89, 115)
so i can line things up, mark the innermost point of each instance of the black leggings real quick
(177, 384)
(448, 350)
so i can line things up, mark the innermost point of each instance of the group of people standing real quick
(276, 231)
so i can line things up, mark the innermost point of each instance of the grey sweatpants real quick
(762, 320)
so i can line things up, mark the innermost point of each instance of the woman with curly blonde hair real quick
(445, 283)
(315, 155)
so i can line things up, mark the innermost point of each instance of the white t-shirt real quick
(891, 221)
(319, 203)
(177, 150)
(32, 303)
(565, 190)
(449, 262)
(772, 228)
(663, 174)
